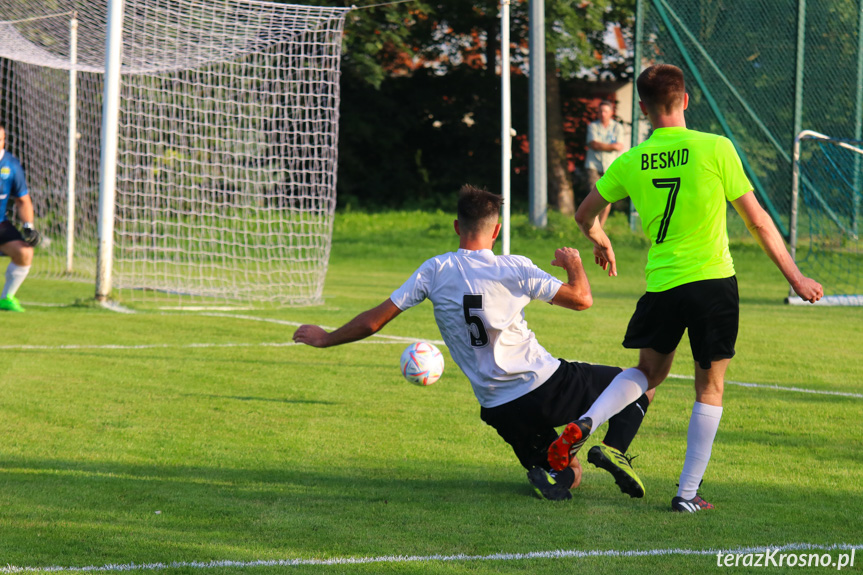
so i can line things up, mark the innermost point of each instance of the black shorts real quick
(528, 423)
(709, 309)
(9, 233)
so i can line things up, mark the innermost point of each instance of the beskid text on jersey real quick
(661, 160)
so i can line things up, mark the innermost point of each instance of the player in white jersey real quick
(524, 392)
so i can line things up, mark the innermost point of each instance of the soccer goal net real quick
(827, 215)
(226, 170)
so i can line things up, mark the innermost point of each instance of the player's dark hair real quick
(476, 206)
(661, 88)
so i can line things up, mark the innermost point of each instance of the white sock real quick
(626, 387)
(15, 275)
(699, 442)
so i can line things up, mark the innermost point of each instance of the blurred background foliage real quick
(420, 97)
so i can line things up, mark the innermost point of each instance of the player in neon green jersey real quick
(679, 181)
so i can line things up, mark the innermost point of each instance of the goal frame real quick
(830, 300)
(227, 114)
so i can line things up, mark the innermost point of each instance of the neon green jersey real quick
(678, 181)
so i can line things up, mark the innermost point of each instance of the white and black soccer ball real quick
(422, 363)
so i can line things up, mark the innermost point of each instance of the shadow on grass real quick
(250, 398)
(65, 512)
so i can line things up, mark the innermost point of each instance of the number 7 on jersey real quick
(673, 186)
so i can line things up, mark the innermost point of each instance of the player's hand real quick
(566, 258)
(32, 237)
(809, 289)
(312, 335)
(604, 258)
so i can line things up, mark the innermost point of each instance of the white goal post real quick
(826, 214)
(227, 131)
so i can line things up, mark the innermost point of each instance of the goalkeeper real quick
(18, 245)
(524, 391)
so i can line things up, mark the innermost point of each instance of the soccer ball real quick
(422, 363)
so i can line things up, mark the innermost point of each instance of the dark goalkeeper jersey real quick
(12, 183)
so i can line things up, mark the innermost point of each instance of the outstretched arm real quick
(367, 323)
(762, 228)
(586, 218)
(575, 294)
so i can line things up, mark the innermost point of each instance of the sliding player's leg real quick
(611, 455)
(655, 330)
(623, 427)
(522, 423)
(624, 389)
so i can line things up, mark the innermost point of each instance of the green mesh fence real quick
(759, 72)
(830, 210)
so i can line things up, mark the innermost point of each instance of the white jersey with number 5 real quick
(479, 302)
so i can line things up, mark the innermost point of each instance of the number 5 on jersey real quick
(475, 326)
(673, 186)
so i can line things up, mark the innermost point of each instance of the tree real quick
(434, 106)
(574, 43)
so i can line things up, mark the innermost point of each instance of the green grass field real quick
(190, 437)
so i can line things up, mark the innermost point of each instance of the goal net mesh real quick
(830, 217)
(226, 171)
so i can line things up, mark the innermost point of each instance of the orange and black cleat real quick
(563, 449)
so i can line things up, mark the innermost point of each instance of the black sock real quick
(565, 477)
(623, 426)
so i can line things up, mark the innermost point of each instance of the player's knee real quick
(709, 392)
(23, 256)
(655, 375)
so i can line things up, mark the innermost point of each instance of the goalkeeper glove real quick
(31, 236)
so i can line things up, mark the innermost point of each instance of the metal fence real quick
(759, 72)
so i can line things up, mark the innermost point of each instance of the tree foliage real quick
(420, 112)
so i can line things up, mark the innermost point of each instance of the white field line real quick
(195, 308)
(559, 554)
(116, 307)
(389, 338)
(399, 339)
(108, 305)
(778, 387)
(772, 387)
(375, 339)
(179, 308)
(73, 347)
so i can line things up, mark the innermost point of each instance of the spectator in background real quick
(604, 145)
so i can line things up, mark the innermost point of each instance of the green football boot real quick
(10, 303)
(620, 467)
